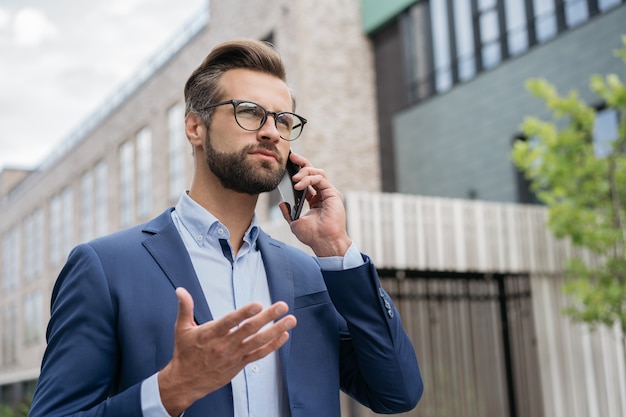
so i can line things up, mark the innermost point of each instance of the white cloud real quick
(4, 19)
(31, 27)
(71, 56)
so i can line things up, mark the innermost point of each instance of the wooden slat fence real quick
(458, 249)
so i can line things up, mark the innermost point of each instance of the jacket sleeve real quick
(378, 363)
(80, 368)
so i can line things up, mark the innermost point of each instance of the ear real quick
(195, 129)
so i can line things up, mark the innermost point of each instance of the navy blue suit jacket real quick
(113, 313)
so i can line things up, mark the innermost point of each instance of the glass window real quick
(32, 262)
(127, 184)
(144, 172)
(545, 19)
(605, 131)
(33, 318)
(466, 60)
(67, 225)
(441, 45)
(576, 12)
(28, 242)
(86, 207)
(517, 32)
(607, 4)
(9, 334)
(10, 259)
(38, 241)
(101, 199)
(177, 146)
(55, 230)
(490, 36)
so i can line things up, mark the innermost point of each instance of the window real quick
(489, 28)
(545, 19)
(605, 131)
(33, 318)
(176, 130)
(465, 54)
(576, 12)
(32, 264)
(55, 230)
(87, 207)
(67, 225)
(446, 42)
(101, 199)
(441, 46)
(144, 172)
(127, 184)
(9, 334)
(516, 26)
(10, 259)
(604, 5)
(38, 242)
(61, 225)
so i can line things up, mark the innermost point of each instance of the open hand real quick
(207, 356)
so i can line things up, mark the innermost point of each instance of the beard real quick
(236, 172)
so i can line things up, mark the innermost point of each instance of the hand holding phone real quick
(294, 198)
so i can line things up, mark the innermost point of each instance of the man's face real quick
(248, 162)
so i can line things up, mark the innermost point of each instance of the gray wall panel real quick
(461, 140)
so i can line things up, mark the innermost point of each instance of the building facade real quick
(451, 108)
(418, 98)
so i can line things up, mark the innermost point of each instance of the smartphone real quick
(295, 198)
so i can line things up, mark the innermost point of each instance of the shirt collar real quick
(204, 226)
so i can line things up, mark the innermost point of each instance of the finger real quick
(299, 160)
(266, 349)
(231, 320)
(185, 309)
(263, 343)
(254, 324)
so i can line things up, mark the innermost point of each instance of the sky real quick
(61, 59)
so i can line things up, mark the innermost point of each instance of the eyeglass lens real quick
(251, 116)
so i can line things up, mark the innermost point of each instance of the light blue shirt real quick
(258, 389)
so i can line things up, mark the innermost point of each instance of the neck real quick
(233, 209)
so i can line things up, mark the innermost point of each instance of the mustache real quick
(266, 146)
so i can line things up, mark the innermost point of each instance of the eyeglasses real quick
(251, 116)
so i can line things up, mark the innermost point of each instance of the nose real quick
(268, 130)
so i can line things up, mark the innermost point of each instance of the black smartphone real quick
(295, 198)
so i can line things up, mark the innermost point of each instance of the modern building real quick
(412, 109)
(451, 106)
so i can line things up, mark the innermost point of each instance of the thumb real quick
(185, 309)
(285, 209)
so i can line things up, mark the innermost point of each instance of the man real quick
(200, 312)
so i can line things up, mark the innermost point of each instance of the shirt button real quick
(220, 231)
(255, 368)
(199, 238)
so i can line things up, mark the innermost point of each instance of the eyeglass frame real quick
(235, 103)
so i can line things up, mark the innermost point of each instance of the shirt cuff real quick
(352, 259)
(151, 404)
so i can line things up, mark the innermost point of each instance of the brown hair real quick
(202, 87)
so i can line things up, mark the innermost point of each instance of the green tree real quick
(585, 192)
(21, 410)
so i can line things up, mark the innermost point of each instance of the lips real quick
(266, 154)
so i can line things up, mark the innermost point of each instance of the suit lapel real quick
(168, 250)
(280, 282)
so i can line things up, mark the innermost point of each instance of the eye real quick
(250, 110)
(285, 119)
